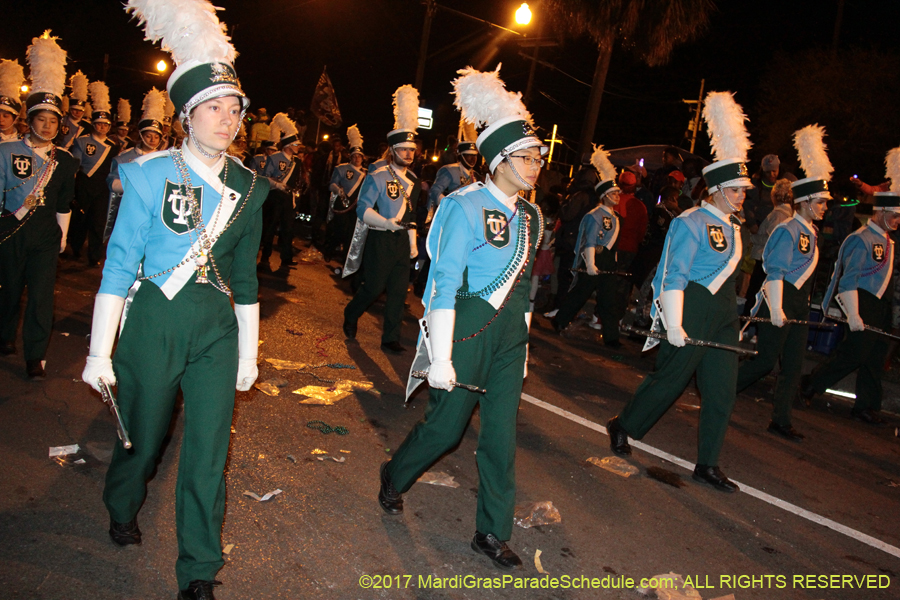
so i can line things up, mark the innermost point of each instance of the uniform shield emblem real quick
(262, 164)
(349, 175)
(607, 223)
(65, 129)
(90, 149)
(282, 165)
(716, 235)
(804, 245)
(175, 213)
(393, 189)
(878, 252)
(496, 228)
(22, 166)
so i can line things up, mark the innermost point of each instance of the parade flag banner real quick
(324, 103)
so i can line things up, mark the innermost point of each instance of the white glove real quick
(673, 307)
(441, 322)
(528, 326)
(413, 244)
(589, 255)
(62, 220)
(775, 295)
(248, 344)
(849, 301)
(107, 312)
(372, 218)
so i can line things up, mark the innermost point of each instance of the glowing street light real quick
(24, 88)
(161, 66)
(325, 137)
(523, 15)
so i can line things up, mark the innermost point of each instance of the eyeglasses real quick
(529, 161)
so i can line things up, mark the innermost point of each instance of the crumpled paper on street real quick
(438, 478)
(285, 365)
(536, 514)
(267, 496)
(614, 464)
(537, 563)
(337, 460)
(316, 394)
(64, 450)
(349, 386)
(673, 589)
(266, 388)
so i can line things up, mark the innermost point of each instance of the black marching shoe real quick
(199, 590)
(618, 437)
(497, 551)
(787, 432)
(349, 330)
(807, 392)
(390, 499)
(394, 347)
(35, 370)
(7, 348)
(714, 477)
(867, 415)
(125, 534)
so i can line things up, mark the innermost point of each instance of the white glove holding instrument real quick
(672, 302)
(372, 218)
(775, 296)
(248, 344)
(528, 325)
(849, 301)
(441, 373)
(62, 219)
(413, 244)
(105, 324)
(590, 254)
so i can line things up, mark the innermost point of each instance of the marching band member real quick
(183, 248)
(12, 76)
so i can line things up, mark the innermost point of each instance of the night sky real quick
(371, 47)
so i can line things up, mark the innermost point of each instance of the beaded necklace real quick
(36, 197)
(510, 268)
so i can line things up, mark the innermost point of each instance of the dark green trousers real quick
(28, 259)
(385, 268)
(860, 351)
(787, 344)
(189, 343)
(606, 286)
(495, 361)
(706, 317)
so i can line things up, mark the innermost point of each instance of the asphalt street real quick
(820, 521)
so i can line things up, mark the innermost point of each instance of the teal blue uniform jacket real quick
(865, 262)
(598, 229)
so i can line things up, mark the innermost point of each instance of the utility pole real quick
(430, 9)
(694, 125)
(105, 66)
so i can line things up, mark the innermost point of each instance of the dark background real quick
(371, 47)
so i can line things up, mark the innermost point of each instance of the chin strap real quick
(200, 149)
(505, 156)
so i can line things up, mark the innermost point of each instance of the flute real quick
(465, 386)
(110, 399)
(690, 341)
(790, 322)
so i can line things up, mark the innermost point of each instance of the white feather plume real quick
(79, 83)
(466, 132)
(11, 77)
(354, 137)
(169, 106)
(483, 99)
(892, 169)
(123, 110)
(47, 64)
(154, 105)
(406, 108)
(65, 105)
(727, 133)
(99, 96)
(810, 146)
(187, 29)
(284, 124)
(601, 162)
(274, 132)
(88, 109)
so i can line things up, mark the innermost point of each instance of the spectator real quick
(671, 162)
(259, 131)
(782, 198)
(633, 215)
(758, 204)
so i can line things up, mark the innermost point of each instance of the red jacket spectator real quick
(633, 213)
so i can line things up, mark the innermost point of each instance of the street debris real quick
(265, 497)
(63, 450)
(227, 549)
(318, 451)
(671, 586)
(325, 428)
(683, 406)
(285, 365)
(438, 478)
(345, 451)
(64, 334)
(316, 394)
(292, 332)
(291, 458)
(536, 514)
(266, 388)
(614, 464)
(337, 460)
(537, 563)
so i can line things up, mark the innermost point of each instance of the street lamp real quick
(24, 88)
(161, 66)
(523, 15)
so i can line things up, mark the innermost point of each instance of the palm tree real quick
(651, 29)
